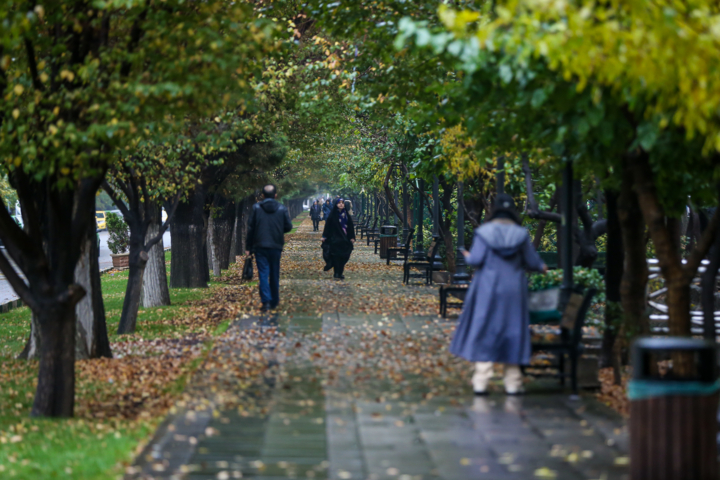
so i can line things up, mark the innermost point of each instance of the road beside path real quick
(8, 294)
(352, 380)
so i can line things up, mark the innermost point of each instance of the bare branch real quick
(30, 49)
(532, 209)
(115, 198)
(17, 283)
(390, 197)
(164, 226)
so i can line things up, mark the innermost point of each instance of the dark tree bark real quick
(210, 247)
(155, 282)
(390, 196)
(206, 252)
(32, 345)
(223, 218)
(188, 266)
(677, 275)
(613, 278)
(139, 213)
(233, 233)
(46, 252)
(635, 271)
(93, 341)
(55, 396)
(447, 221)
(91, 332)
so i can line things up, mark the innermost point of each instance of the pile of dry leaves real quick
(612, 395)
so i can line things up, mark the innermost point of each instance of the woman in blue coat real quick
(494, 324)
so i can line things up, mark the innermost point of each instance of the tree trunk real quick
(635, 271)
(131, 303)
(662, 231)
(222, 231)
(55, 395)
(539, 232)
(446, 222)
(155, 284)
(93, 341)
(234, 233)
(188, 268)
(615, 258)
(213, 260)
(207, 247)
(32, 345)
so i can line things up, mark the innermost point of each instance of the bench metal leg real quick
(573, 372)
(443, 300)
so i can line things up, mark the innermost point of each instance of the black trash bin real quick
(388, 238)
(673, 416)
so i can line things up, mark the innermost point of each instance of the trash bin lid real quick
(652, 359)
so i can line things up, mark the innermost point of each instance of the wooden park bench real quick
(364, 228)
(373, 233)
(457, 291)
(569, 342)
(402, 251)
(426, 267)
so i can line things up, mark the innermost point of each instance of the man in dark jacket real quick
(268, 224)
(327, 208)
(315, 214)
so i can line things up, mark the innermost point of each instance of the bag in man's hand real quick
(248, 269)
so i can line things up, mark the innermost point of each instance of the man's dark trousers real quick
(268, 265)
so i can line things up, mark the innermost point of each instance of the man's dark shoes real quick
(265, 308)
(327, 268)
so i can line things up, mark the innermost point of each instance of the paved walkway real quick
(352, 380)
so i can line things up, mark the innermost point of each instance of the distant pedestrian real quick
(327, 208)
(348, 207)
(268, 224)
(494, 324)
(339, 234)
(315, 215)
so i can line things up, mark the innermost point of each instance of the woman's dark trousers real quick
(339, 262)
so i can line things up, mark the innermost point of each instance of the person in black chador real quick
(339, 234)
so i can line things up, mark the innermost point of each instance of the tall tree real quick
(79, 82)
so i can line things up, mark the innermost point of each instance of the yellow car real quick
(100, 219)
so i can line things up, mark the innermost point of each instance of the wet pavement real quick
(352, 380)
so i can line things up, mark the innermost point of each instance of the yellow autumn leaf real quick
(18, 89)
(15, 113)
(545, 472)
(67, 75)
